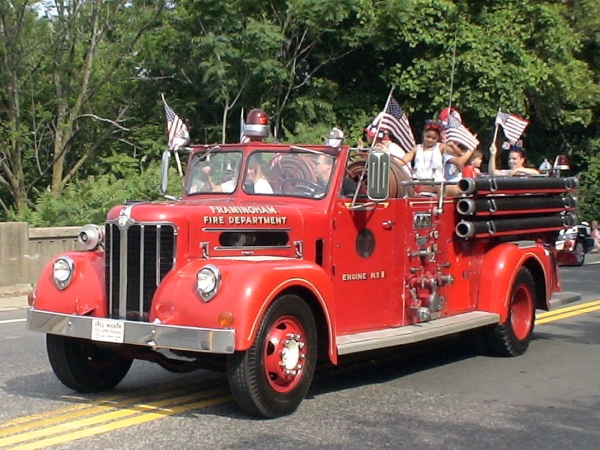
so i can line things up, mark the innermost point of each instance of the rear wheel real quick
(84, 366)
(272, 377)
(512, 337)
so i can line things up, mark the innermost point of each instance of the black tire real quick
(84, 366)
(263, 380)
(580, 253)
(512, 337)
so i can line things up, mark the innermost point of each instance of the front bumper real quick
(135, 333)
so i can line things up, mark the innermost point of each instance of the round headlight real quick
(208, 281)
(90, 237)
(62, 271)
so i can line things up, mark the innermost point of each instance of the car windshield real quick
(213, 172)
(289, 174)
(298, 174)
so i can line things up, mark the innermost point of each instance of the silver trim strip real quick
(157, 256)
(257, 247)
(141, 269)
(390, 337)
(137, 333)
(122, 271)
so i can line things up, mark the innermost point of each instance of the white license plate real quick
(108, 331)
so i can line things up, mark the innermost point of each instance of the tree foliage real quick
(80, 104)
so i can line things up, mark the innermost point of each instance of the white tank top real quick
(428, 164)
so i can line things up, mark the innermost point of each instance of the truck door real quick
(365, 273)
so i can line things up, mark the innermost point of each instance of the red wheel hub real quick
(284, 354)
(521, 312)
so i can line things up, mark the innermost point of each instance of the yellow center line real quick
(7, 427)
(569, 313)
(103, 404)
(558, 312)
(106, 417)
(105, 428)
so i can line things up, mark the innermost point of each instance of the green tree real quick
(309, 64)
(63, 74)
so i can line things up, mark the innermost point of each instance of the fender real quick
(84, 296)
(499, 270)
(249, 285)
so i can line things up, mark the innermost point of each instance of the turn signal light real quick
(226, 319)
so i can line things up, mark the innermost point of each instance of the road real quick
(438, 395)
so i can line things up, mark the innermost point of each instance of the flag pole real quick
(242, 125)
(179, 168)
(452, 72)
(178, 164)
(385, 108)
(496, 130)
(494, 141)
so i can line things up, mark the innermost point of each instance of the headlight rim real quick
(63, 284)
(208, 295)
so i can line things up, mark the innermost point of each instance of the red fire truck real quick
(267, 264)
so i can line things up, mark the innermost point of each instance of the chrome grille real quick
(138, 257)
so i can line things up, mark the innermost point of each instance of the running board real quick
(390, 337)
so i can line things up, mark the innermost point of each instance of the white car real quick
(573, 243)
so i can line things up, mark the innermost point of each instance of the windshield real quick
(213, 172)
(295, 174)
(289, 174)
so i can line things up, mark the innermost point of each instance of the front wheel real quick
(84, 366)
(272, 377)
(512, 337)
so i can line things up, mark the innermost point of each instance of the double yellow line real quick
(107, 414)
(569, 311)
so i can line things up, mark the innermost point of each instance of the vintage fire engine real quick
(265, 266)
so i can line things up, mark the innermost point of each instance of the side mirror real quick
(164, 172)
(378, 183)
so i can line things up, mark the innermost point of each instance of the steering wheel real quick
(302, 187)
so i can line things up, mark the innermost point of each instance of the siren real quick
(257, 125)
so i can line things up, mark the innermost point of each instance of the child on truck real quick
(427, 158)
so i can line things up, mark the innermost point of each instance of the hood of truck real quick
(202, 224)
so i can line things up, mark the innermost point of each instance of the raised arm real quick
(206, 171)
(492, 164)
(458, 159)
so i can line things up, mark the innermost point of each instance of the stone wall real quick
(25, 251)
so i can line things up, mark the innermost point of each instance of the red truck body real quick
(300, 274)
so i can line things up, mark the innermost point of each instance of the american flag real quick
(397, 122)
(512, 125)
(456, 132)
(177, 131)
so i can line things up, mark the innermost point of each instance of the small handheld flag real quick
(178, 134)
(513, 126)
